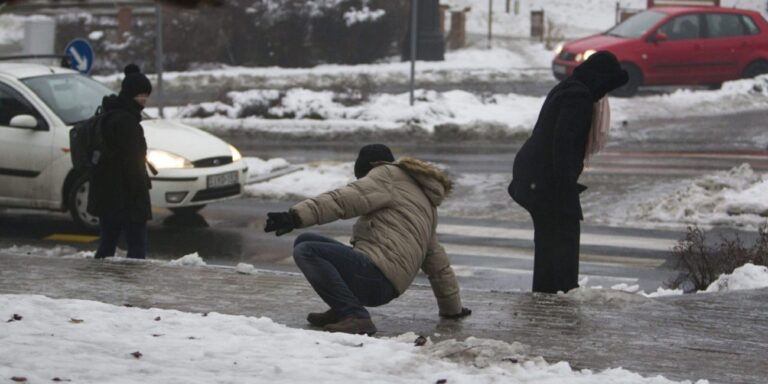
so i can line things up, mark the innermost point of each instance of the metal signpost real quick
(80, 55)
(159, 59)
(414, 24)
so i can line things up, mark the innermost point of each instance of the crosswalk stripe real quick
(527, 255)
(461, 270)
(619, 241)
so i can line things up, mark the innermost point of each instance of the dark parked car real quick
(678, 46)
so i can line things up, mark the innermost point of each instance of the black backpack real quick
(86, 143)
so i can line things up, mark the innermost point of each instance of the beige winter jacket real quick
(397, 203)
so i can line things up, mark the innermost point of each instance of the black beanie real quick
(134, 83)
(602, 73)
(371, 153)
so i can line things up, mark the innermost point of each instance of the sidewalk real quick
(719, 337)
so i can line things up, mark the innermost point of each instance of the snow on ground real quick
(733, 197)
(307, 109)
(191, 260)
(523, 61)
(748, 276)
(326, 113)
(313, 180)
(86, 341)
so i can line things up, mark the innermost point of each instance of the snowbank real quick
(57, 251)
(734, 197)
(258, 110)
(454, 114)
(748, 276)
(86, 341)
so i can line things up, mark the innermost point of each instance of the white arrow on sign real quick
(82, 63)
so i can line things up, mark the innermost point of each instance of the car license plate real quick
(222, 179)
(559, 69)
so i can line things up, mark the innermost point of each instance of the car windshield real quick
(636, 25)
(72, 97)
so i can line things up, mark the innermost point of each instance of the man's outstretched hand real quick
(464, 313)
(279, 222)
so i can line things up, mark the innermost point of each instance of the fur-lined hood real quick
(435, 183)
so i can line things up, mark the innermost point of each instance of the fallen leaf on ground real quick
(157, 318)
(19, 379)
(75, 321)
(137, 355)
(420, 341)
(15, 317)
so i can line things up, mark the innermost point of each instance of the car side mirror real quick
(24, 121)
(658, 37)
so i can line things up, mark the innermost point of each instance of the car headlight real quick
(236, 156)
(585, 55)
(559, 48)
(166, 160)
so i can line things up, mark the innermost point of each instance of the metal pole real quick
(414, 24)
(490, 22)
(159, 58)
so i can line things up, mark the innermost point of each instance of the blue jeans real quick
(345, 278)
(135, 235)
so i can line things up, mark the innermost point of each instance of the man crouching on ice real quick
(394, 237)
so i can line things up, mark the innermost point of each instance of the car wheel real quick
(182, 211)
(78, 205)
(757, 68)
(635, 80)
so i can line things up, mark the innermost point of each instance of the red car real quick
(677, 46)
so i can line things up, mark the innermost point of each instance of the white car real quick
(38, 106)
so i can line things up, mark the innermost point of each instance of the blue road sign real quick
(80, 55)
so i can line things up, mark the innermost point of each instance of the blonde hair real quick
(601, 125)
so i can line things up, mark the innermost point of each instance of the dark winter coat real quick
(548, 166)
(120, 182)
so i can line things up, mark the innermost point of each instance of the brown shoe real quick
(321, 319)
(353, 325)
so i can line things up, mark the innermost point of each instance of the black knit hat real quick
(135, 83)
(371, 153)
(602, 73)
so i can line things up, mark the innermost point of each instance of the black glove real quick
(279, 222)
(464, 313)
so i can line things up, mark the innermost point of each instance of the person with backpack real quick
(395, 236)
(119, 183)
(572, 126)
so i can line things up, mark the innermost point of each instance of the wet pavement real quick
(718, 337)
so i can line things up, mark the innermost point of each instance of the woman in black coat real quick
(119, 185)
(572, 124)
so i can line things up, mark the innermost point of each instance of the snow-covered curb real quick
(734, 197)
(86, 341)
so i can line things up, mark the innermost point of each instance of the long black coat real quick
(120, 182)
(548, 166)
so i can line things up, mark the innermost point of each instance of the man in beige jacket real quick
(395, 236)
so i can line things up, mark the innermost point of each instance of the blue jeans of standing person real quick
(345, 278)
(112, 225)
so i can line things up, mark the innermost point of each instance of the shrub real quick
(699, 264)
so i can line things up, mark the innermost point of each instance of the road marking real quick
(72, 238)
(462, 270)
(527, 255)
(634, 242)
